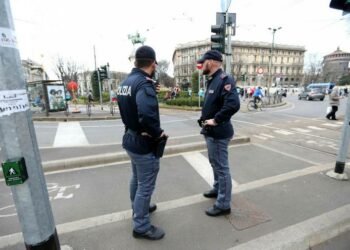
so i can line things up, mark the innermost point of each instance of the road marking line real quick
(330, 125)
(201, 164)
(286, 154)
(266, 135)
(93, 222)
(301, 130)
(311, 142)
(303, 235)
(271, 127)
(69, 134)
(315, 128)
(283, 132)
(260, 137)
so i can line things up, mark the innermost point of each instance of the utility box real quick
(15, 171)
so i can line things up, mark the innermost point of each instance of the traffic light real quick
(94, 76)
(103, 70)
(218, 40)
(340, 5)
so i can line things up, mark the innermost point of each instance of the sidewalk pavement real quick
(285, 203)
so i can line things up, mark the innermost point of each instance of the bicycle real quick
(251, 106)
(88, 108)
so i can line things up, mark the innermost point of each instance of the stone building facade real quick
(250, 62)
(335, 65)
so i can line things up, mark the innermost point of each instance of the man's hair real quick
(141, 63)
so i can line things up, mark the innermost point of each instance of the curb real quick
(93, 160)
(304, 235)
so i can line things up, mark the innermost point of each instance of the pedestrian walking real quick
(334, 103)
(221, 102)
(139, 111)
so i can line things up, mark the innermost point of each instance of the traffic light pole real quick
(98, 78)
(338, 172)
(18, 141)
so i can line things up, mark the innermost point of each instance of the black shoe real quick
(210, 194)
(335, 119)
(152, 208)
(155, 233)
(215, 211)
(328, 117)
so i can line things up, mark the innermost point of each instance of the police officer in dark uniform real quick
(221, 102)
(139, 111)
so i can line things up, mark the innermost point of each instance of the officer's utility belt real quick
(135, 133)
(158, 144)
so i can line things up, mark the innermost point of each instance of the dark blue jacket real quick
(138, 105)
(221, 102)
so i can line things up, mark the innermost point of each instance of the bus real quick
(324, 86)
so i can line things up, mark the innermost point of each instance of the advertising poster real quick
(56, 97)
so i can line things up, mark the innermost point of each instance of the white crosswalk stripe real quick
(331, 125)
(283, 132)
(70, 134)
(266, 135)
(315, 128)
(301, 130)
(201, 164)
(260, 137)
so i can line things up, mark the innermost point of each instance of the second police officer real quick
(221, 102)
(139, 111)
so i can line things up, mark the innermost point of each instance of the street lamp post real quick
(270, 59)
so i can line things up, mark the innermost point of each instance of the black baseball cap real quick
(211, 54)
(146, 52)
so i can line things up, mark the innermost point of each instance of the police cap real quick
(211, 55)
(145, 52)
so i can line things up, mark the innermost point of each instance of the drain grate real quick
(244, 214)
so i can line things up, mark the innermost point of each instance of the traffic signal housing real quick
(94, 76)
(103, 70)
(218, 40)
(340, 5)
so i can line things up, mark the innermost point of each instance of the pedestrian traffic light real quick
(103, 70)
(340, 5)
(218, 40)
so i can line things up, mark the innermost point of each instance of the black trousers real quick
(331, 115)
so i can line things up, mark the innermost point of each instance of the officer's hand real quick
(162, 135)
(210, 122)
(157, 86)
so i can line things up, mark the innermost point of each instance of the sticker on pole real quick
(8, 38)
(13, 101)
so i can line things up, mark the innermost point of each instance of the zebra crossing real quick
(297, 130)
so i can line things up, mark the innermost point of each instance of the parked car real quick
(311, 94)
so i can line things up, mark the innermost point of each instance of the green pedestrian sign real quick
(15, 171)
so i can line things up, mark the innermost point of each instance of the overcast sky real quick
(70, 28)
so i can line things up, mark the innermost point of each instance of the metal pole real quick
(229, 49)
(98, 78)
(18, 139)
(270, 64)
(338, 172)
(199, 87)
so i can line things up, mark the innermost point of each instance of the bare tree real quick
(313, 69)
(67, 70)
(163, 77)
